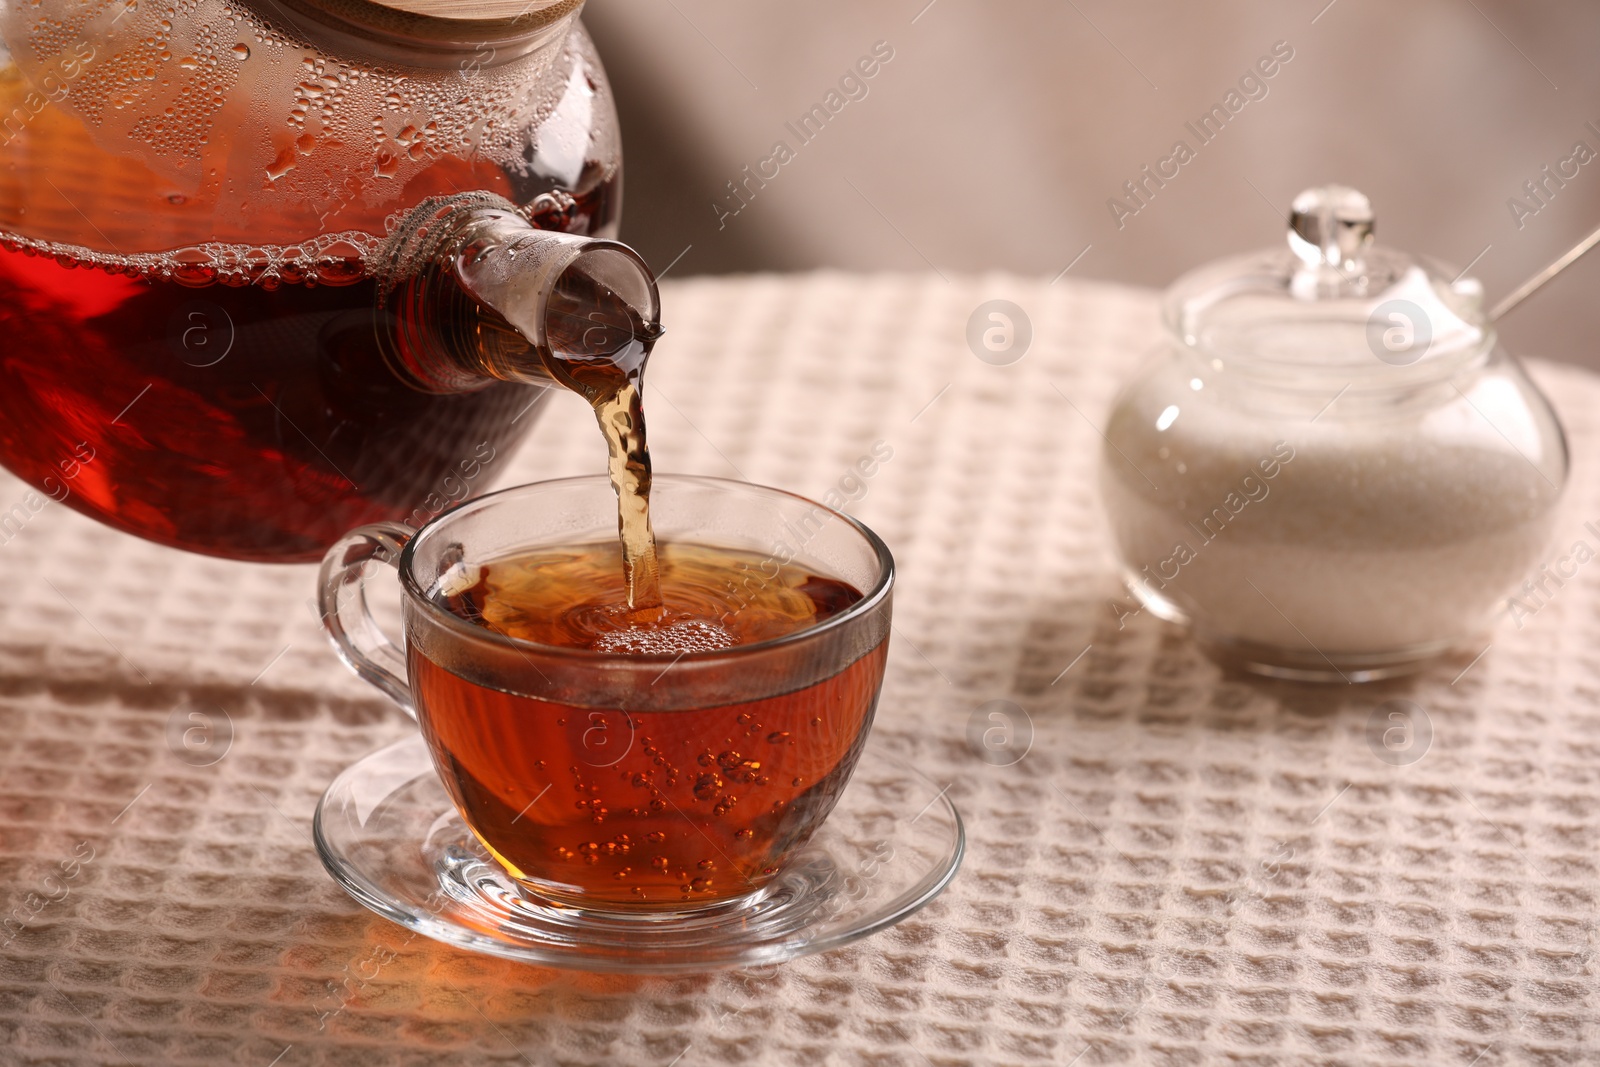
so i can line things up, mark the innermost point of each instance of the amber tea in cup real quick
(632, 760)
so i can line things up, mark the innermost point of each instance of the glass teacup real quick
(625, 782)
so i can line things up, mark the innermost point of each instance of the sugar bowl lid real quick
(1331, 300)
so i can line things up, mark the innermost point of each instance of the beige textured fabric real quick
(1185, 868)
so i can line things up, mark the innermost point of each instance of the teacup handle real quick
(342, 600)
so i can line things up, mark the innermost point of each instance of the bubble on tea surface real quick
(676, 639)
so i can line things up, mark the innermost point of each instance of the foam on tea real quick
(645, 807)
(575, 597)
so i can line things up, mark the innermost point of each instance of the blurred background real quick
(996, 131)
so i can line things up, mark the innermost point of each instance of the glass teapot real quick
(271, 269)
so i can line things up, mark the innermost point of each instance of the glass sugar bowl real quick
(1332, 472)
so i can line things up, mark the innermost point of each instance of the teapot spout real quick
(477, 294)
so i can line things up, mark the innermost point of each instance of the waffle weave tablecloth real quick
(1184, 867)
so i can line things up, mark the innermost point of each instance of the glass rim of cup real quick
(870, 600)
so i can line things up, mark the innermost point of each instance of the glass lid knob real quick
(1330, 225)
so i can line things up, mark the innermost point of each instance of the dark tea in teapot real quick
(258, 421)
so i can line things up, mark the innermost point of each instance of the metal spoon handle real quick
(1533, 284)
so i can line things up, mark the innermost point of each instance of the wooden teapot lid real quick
(446, 19)
(481, 10)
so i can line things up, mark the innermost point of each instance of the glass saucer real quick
(388, 833)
